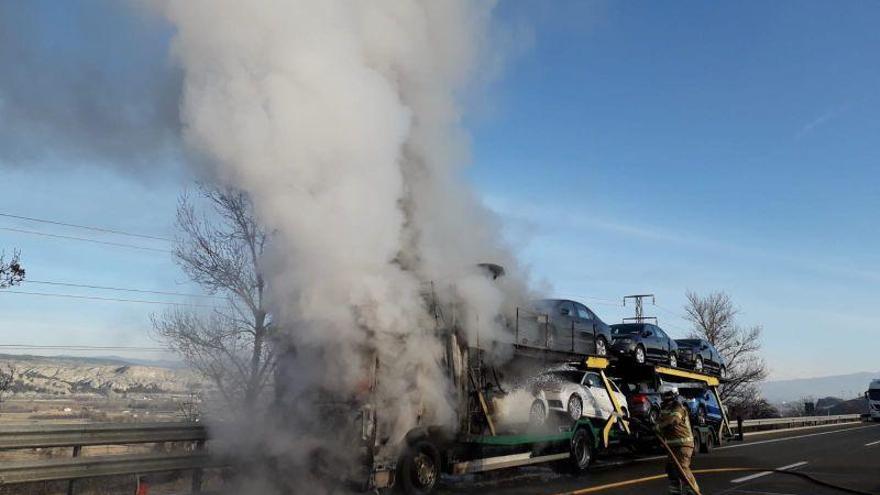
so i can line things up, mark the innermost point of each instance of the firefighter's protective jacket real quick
(675, 425)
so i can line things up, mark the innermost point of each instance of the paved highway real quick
(847, 455)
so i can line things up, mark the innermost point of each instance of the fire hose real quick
(692, 483)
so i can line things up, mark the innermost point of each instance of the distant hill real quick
(43, 376)
(100, 360)
(848, 386)
(833, 405)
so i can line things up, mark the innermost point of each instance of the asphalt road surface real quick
(846, 455)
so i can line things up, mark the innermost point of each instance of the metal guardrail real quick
(779, 423)
(42, 436)
(96, 466)
(79, 436)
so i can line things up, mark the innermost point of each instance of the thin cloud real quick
(541, 219)
(820, 121)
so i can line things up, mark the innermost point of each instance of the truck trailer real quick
(477, 443)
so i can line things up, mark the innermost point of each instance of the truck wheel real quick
(699, 444)
(581, 453)
(601, 347)
(418, 471)
(703, 443)
(717, 437)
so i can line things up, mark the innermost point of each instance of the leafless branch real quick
(714, 318)
(11, 273)
(7, 382)
(222, 249)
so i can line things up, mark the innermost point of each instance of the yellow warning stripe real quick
(707, 379)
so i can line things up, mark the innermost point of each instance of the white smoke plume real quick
(342, 121)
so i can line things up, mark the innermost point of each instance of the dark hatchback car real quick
(571, 326)
(643, 342)
(700, 355)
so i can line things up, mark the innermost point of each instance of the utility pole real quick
(640, 313)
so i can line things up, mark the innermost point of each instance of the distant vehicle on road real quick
(873, 396)
(701, 356)
(579, 394)
(644, 342)
(572, 326)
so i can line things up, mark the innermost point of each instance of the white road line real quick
(765, 473)
(774, 440)
(872, 443)
(811, 427)
(747, 444)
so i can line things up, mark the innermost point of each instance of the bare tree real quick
(222, 251)
(7, 382)
(11, 273)
(714, 319)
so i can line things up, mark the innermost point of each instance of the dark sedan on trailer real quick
(700, 355)
(643, 342)
(572, 326)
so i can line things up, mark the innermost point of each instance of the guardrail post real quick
(739, 428)
(516, 339)
(547, 332)
(197, 473)
(71, 484)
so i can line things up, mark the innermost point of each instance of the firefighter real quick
(674, 427)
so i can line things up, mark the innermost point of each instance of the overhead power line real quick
(671, 312)
(596, 300)
(83, 239)
(86, 227)
(122, 289)
(96, 298)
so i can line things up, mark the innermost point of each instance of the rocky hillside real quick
(61, 376)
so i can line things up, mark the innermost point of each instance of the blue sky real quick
(628, 147)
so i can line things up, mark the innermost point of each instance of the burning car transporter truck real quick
(478, 443)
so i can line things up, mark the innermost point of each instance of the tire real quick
(673, 360)
(418, 471)
(698, 364)
(706, 444)
(639, 354)
(580, 452)
(575, 407)
(601, 346)
(722, 372)
(537, 413)
(701, 416)
(698, 441)
(654, 416)
(717, 439)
